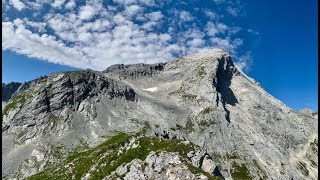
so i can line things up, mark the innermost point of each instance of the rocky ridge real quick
(203, 99)
(9, 89)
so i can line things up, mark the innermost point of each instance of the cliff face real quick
(238, 129)
(9, 89)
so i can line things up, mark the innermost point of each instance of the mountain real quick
(9, 89)
(197, 117)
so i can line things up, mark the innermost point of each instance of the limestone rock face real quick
(164, 165)
(242, 131)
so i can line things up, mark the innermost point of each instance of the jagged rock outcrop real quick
(135, 71)
(9, 89)
(48, 100)
(164, 165)
(243, 131)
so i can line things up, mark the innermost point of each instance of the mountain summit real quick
(197, 117)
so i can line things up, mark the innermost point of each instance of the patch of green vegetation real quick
(240, 171)
(135, 120)
(17, 99)
(108, 157)
(188, 96)
(201, 72)
(206, 110)
(145, 124)
(282, 168)
(203, 124)
(216, 157)
(157, 125)
(207, 123)
(178, 127)
(79, 163)
(302, 167)
(57, 151)
(5, 127)
(313, 163)
(188, 128)
(264, 176)
(184, 95)
(41, 80)
(230, 156)
(314, 146)
(189, 125)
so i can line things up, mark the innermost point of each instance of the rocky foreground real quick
(198, 117)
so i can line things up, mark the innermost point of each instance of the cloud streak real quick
(94, 35)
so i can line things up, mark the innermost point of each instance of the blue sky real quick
(274, 42)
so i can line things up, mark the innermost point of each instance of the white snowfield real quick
(152, 89)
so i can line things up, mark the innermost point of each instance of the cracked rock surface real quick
(243, 132)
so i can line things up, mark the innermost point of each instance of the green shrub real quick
(240, 171)
(17, 99)
(201, 72)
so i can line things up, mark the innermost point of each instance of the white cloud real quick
(57, 3)
(196, 42)
(234, 30)
(227, 44)
(17, 4)
(97, 36)
(253, 31)
(147, 2)
(233, 11)
(58, 24)
(215, 28)
(210, 14)
(119, 19)
(219, 1)
(126, 2)
(43, 47)
(185, 16)
(40, 26)
(155, 16)
(87, 12)
(132, 10)
(149, 25)
(222, 27)
(164, 37)
(85, 37)
(244, 62)
(130, 2)
(71, 4)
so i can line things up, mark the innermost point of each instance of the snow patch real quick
(152, 89)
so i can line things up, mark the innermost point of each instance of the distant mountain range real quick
(9, 89)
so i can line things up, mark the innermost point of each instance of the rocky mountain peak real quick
(199, 112)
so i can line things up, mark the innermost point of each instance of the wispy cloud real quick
(233, 10)
(17, 4)
(95, 35)
(244, 62)
(253, 31)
